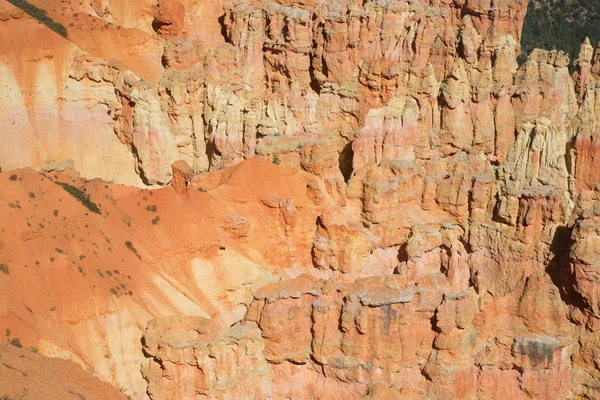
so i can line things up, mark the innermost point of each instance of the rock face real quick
(431, 232)
(201, 360)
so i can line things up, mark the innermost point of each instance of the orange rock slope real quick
(26, 375)
(430, 233)
(82, 285)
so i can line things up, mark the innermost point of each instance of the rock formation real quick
(431, 232)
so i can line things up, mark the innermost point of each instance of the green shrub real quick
(40, 15)
(133, 249)
(82, 197)
(560, 25)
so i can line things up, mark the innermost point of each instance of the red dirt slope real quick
(25, 375)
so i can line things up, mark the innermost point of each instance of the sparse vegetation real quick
(155, 220)
(55, 213)
(78, 395)
(151, 208)
(31, 195)
(16, 342)
(13, 177)
(41, 16)
(560, 25)
(276, 159)
(4, 268)
(81, 197)
(133, 249)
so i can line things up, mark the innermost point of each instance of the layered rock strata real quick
(439, 242)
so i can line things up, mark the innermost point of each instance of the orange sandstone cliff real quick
(430, 232)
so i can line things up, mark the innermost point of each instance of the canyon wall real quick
(431, 231)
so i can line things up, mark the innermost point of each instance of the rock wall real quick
(441, 243)
(459, 263)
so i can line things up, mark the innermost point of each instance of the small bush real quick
(150, 208)
(31, 195)
(13, 177)
(81, 197)
(276, 159)
(16, 342)
(155, 220)
(41, 15)
(4, 268)
(128, 220)
(133, 249)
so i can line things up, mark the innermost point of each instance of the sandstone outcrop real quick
(200, 360)
(430, 232)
